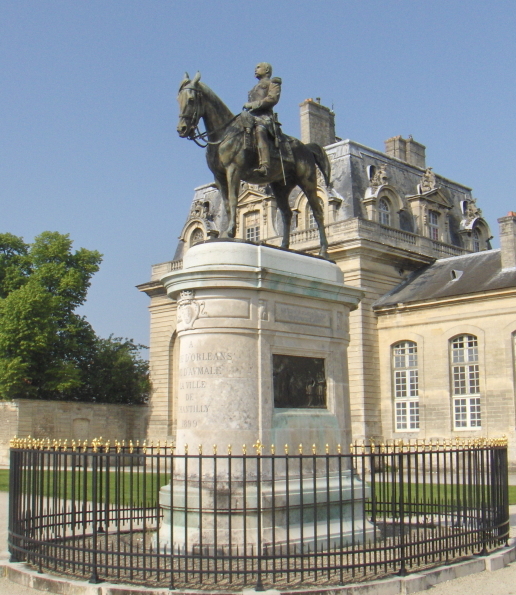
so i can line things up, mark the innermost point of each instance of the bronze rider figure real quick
(262, 98)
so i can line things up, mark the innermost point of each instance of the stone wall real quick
(69, 420)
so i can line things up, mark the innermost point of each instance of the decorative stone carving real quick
(201, 210)
(188, 309)
(320, 179)
(471, 211)
(263, 310)
(428, 181)
(470, 214)
(379, 177)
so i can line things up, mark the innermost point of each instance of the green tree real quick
(115, 373)
(48, 351)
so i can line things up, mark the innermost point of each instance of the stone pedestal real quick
(262, 340)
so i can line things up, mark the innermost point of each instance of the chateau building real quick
(432, 343)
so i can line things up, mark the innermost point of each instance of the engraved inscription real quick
(205, 357)
(194, 408)
(195, 370)
(300, 315)
(200, 371)
(188, 385)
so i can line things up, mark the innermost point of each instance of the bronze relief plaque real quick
(299, 382)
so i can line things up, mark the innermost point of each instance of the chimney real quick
(508, 240)
(407, 150)
(317, 123)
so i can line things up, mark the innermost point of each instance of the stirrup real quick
(263, 170)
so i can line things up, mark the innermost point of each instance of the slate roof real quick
(447, 277)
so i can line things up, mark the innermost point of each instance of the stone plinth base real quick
(324, 513)
(260, 358)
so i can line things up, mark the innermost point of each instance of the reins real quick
(195, 117)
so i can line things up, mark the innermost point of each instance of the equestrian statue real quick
(250, 147)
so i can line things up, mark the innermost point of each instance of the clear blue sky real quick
(88, 109)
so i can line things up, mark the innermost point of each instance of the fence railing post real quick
(394, 508)
(94, 503)
(259, 582)
(403, 566)
(483, 487)
(14, 504)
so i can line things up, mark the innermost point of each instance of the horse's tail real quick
(321, 158)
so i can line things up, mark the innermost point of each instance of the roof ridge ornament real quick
(428, 182)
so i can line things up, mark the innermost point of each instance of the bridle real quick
(193, 121)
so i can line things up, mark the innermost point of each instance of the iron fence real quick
(146, 514)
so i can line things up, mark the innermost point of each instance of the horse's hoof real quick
(324, 254)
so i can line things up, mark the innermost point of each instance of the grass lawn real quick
(4, 480)
(152, 489)
(118, 491)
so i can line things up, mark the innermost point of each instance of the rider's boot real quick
(263, 152)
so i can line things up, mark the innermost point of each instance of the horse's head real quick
(190, 105)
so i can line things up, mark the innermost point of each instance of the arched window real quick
(309, 219)
(197, 236)
(475, 240)
(384, 212)
(252, 226)
(465, 378)
(406, 385)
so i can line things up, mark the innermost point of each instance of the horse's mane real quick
(214, 99)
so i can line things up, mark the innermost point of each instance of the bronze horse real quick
(230, 161)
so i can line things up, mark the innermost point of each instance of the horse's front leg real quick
(222, 185)
(233, 186)
(281, 193)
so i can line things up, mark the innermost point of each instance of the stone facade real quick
(431, 327)
(387, 216)
(65, 420)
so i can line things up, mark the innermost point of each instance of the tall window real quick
(433, 225)
(384, 212)
(406, 385)
(252, 226)
(309, 215)
(475, 237)
(465, 378)
(310, 219)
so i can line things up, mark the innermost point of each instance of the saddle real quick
(278, 142)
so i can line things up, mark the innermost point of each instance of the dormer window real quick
(252, 226)
(384, 212)
(433, 225)
(475, 240)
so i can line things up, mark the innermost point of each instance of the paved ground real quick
(501, 582)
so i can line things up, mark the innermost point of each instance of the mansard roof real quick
(460, 275)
